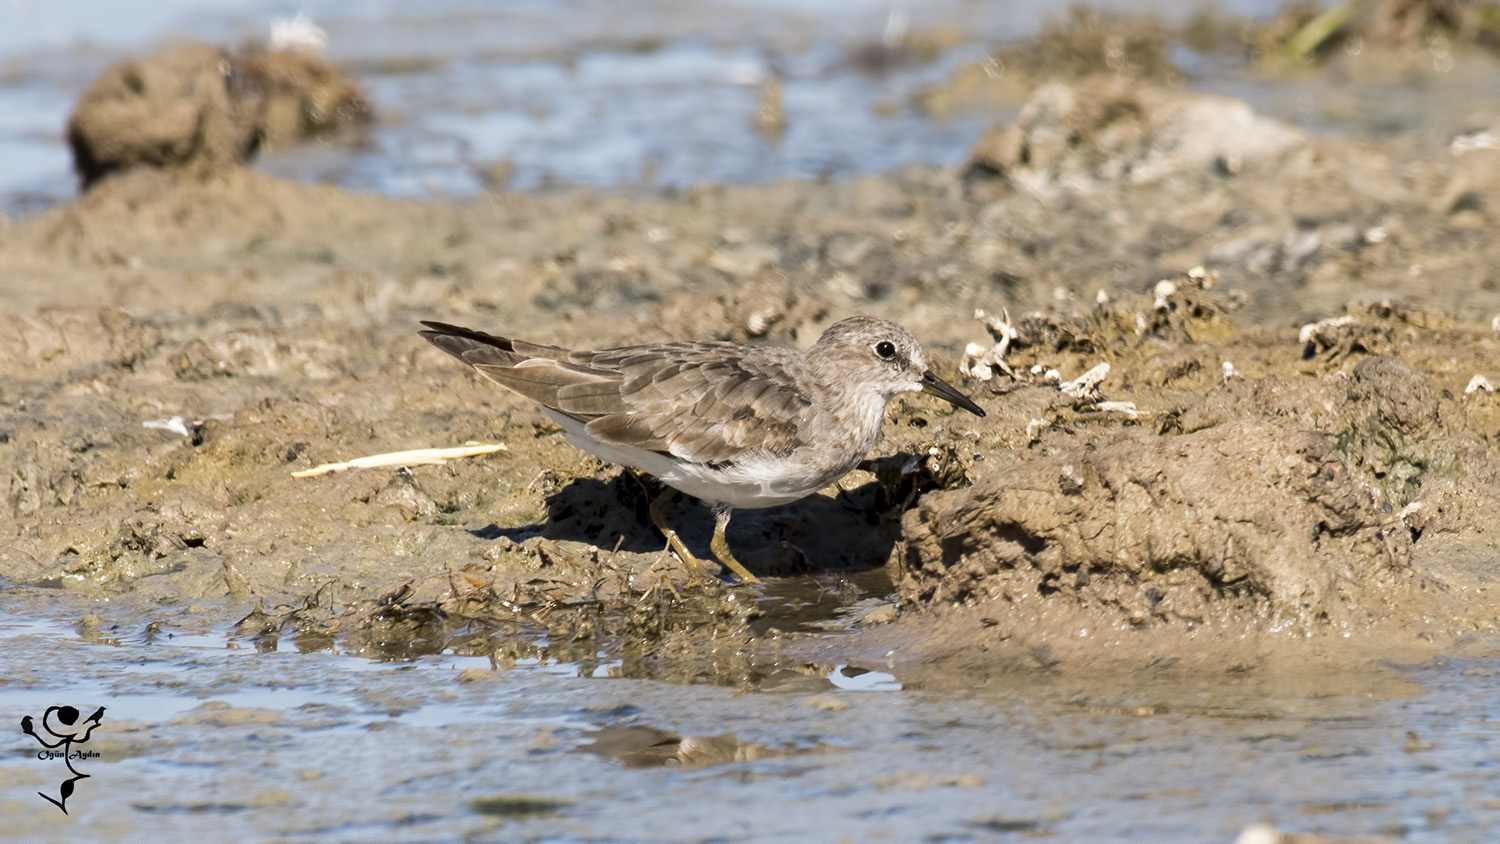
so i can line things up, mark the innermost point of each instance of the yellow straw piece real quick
(413, 457)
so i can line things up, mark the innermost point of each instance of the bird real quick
(736, 425)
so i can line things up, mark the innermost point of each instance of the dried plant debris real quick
(1177, 310)
(1180, 306)
(905, 477)
(1368, 327)
(1039, 333)
(1306, 31)
(411, 457)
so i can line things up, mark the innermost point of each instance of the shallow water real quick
(207, 734)
(662, 96)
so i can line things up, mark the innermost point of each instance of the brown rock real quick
(304, 95)
(198, 106)
(1113, 129)
(180, 107)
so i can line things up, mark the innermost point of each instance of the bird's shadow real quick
(853, 531)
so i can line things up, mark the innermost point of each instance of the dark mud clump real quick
(205, 109)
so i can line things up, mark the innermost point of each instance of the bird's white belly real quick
(764, 481)
(750, 484)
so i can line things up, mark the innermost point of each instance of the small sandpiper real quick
(732, 424)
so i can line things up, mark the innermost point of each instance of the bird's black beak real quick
(943, 390)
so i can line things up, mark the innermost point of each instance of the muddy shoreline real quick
(1289, 442)
(1219, 561)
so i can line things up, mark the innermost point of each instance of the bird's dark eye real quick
(885, 349)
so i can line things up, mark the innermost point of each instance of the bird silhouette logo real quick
(66, 729)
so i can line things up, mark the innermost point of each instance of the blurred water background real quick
(537, 94)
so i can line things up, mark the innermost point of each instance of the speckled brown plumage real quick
(733, 424)
(705, 402)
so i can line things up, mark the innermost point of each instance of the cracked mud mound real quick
(1355, 504)
(1250, 523)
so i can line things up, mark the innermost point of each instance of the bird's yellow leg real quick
(720, 547)
(674, 542)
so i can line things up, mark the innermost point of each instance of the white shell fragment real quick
(1086, 386)
(177, 425)
(298, 33)
(979, 362)
(1034, 429)
(1312, 329)
(1472, 141)
(1165, 290)
(976, 363)
(1125, 407)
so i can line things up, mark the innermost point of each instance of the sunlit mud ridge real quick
(1314, 498)
(1247, 519)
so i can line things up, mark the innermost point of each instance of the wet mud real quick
(1285, 441)
(1240, 460)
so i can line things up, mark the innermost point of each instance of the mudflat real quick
(1239, 382)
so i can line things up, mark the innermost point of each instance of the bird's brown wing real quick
(704, 402)
(537, 372)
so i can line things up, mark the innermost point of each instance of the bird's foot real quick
(675, 545)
